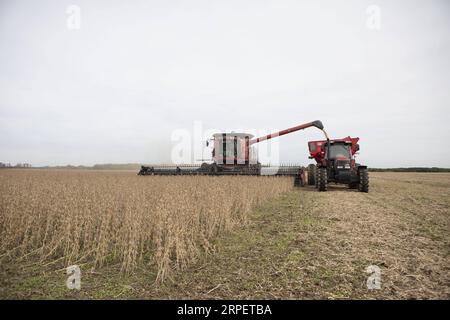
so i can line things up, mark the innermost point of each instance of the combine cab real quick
(336, 163)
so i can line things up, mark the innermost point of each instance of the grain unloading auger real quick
(232, 155)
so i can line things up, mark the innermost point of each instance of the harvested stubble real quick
(99, 217)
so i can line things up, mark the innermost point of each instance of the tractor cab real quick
(339, 158)
(338, 155)
(339, 150)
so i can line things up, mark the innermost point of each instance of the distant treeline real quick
(411, 169)
(17, 165)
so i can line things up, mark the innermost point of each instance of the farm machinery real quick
(335, 163)
(233, 154)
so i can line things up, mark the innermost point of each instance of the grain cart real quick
(335, 162)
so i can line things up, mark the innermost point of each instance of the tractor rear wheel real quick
(322, 177)
(311, 174)
(363, 180)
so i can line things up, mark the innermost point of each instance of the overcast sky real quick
(114, 90)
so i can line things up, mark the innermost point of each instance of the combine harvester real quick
(232, 155)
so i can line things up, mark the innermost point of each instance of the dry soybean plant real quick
(98, 217)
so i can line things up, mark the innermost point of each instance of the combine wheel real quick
(311, 174)
(363, 180)
(204, 168)
(213, 169)
(297, 181)
(322, 177)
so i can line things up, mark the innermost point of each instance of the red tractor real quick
(336, 163)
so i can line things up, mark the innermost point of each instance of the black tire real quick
(311, 174)
(363, 185)
(297, 182)
(322, 183)
(213, 169)
(204, 167)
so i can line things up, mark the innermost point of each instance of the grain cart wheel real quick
(311, 174)
(322, 183)
(363, 180)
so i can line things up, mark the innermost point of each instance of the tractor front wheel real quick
(322, 179)
(363, 180)
(311, 174)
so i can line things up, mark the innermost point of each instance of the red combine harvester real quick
(336, 163)
(232, 155)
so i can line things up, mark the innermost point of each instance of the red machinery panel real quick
(317, 151)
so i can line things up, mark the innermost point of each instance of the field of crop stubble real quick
(221, 237)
